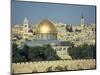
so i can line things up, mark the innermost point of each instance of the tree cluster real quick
(36, 53)
(83, 52)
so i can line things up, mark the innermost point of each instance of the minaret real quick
(82, 21)
(25, 25)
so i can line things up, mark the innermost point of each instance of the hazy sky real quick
(65, 13)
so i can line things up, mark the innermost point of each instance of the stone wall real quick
(58, 65)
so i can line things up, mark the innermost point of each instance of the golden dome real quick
(46, 26)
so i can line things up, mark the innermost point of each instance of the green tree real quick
(82, 52)
(16, 57)
(35, 53)
(49, 52)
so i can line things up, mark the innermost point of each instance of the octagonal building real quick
(46, 30)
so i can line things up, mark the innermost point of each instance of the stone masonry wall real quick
(45, 66)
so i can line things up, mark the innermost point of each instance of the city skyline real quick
(64, 13)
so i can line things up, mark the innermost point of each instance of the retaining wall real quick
(58, 65)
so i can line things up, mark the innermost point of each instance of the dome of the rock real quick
(46, 30)
(46, 26)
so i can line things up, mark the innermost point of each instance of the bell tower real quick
(25, 25)
(82, 21)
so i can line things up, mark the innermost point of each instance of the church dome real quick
(46, 26)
